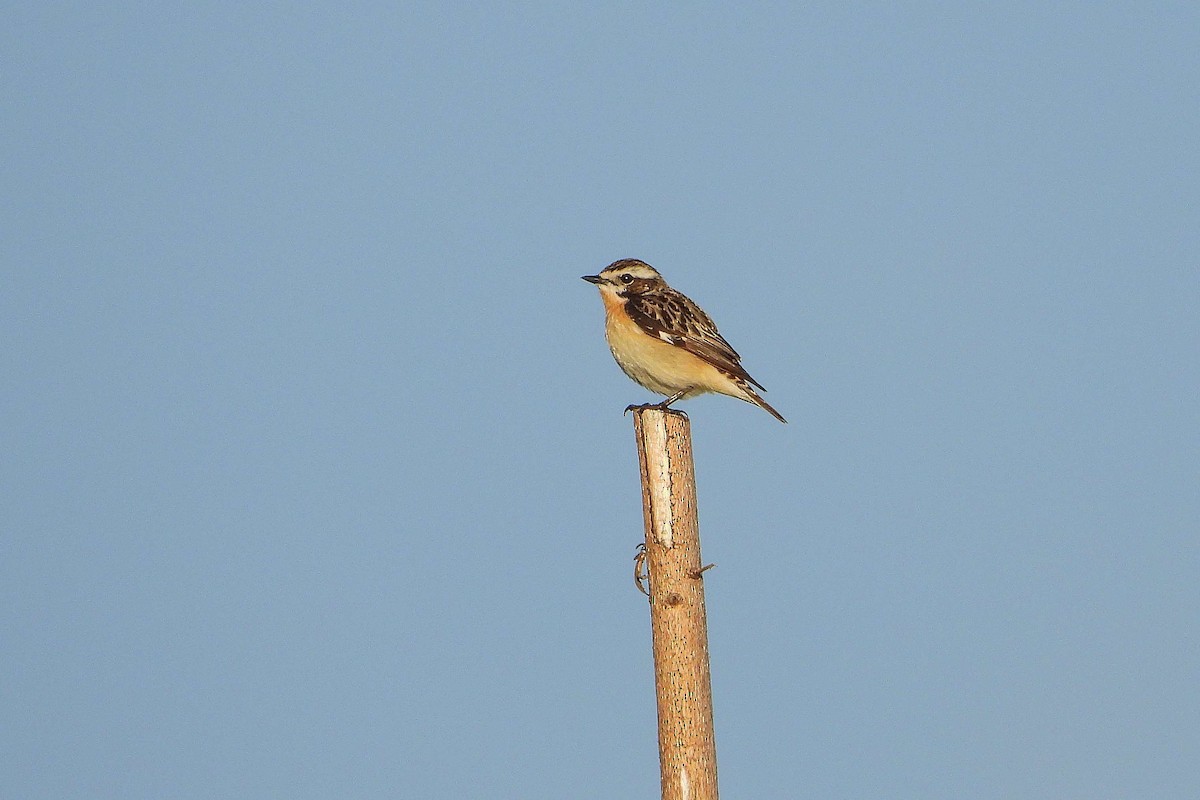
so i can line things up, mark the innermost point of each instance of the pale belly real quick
(661, 367)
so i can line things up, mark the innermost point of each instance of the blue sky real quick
(315, 478)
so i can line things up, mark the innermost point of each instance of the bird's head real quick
(626, 278)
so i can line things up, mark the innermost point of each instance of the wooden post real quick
(687, 750)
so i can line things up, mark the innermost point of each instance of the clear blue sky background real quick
(315, 481)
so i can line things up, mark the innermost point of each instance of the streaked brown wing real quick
(677, 320)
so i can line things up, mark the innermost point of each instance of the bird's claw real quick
(663, 406)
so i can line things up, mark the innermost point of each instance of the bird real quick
(665, 342)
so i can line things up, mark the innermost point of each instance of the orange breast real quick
(612, 303)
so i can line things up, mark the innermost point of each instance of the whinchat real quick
(665, 342)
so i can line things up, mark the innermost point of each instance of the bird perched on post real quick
(665, 342)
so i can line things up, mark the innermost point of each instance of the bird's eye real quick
(627, 278)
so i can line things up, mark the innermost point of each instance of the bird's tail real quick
(753, 397)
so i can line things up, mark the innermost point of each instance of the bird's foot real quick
(663, 406)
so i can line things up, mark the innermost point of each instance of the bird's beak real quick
(593, 279)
